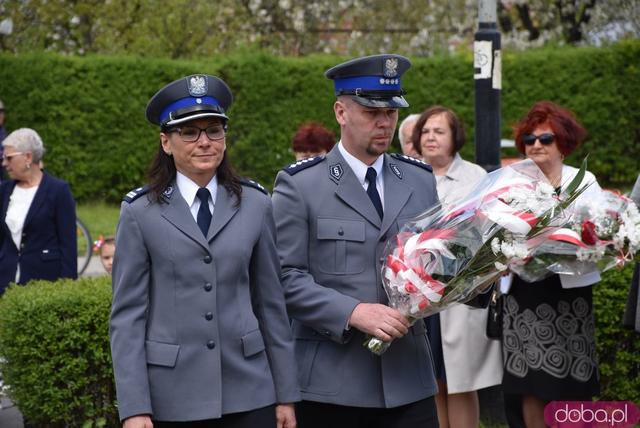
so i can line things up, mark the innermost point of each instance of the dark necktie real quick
(204, 215)
(372, 191)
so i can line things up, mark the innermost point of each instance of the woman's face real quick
(16, 163)
(436, 141)
(196, 159)
(544, 155)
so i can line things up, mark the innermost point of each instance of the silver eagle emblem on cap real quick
(197, 86)
(390, 67)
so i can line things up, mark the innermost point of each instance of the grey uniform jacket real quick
(198, 326)
(330, 241)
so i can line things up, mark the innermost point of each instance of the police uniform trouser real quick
(422, 414)
(258, 418)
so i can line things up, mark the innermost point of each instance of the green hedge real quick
(90, 111)
(618, 347)
(54, 338)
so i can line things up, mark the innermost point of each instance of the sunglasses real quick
(545, 139)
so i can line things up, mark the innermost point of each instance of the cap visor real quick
(194, 117)
(392, 102)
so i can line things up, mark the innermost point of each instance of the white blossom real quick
(495, 246)
(501, 267)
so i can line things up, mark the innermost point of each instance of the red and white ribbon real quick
(567, 235)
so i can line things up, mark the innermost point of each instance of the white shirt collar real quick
(359, 168)
(188, 188)
(455, 171)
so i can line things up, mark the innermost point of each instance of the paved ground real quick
(10, 416)
(94, 269)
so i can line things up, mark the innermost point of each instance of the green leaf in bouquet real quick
(571, 193)
(573, 186)
(572, 190)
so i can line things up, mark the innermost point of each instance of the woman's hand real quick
(140, 421)
(286, 416)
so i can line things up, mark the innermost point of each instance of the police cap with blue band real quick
(189, 98)
(372, 81)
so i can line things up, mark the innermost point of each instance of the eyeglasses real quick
(12, 155)
(190, 134)
(545, 139)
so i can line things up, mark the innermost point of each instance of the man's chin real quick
(376, 149)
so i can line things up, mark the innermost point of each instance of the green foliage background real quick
(54, 339)
(618, 348)
(90, 111)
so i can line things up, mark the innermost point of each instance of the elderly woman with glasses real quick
(549, 350)
(38, 227)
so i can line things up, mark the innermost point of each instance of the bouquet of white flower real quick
(451, 253)
(597, 236)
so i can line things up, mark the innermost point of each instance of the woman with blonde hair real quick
(38, 216)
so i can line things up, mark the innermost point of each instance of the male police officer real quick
(334, 215)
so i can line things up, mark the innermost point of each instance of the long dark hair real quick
(162, 172)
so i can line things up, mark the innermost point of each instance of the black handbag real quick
(494, 318)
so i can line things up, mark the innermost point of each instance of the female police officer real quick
(199, 330)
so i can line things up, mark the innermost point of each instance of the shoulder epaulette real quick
(413, 161)
(254, 184)
(296, 167)
(135, 194)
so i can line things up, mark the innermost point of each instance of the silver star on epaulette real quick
(257, 184)
(134, 192)
(414, 159)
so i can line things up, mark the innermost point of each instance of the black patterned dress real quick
(548, 342)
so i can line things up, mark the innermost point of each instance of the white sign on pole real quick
(482, 59)
(497, 70)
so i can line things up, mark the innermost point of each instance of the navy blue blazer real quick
(49, 247)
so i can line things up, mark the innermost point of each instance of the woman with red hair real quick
(548, 338)
(312, 139)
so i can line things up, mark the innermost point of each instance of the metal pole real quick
(487, 62)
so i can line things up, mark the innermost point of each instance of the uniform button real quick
(340, 232)
(208, 286)
(211, 344)
(207, 259)
(208, 316)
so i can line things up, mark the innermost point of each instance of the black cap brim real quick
(391, 102)
(193, 113)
